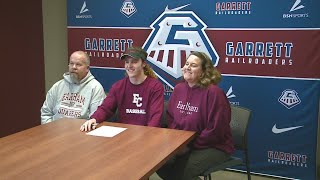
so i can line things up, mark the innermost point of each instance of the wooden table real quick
(59, 150)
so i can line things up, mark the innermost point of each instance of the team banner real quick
(267, 51)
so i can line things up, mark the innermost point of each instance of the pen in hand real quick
(87, 126)
(94, 125)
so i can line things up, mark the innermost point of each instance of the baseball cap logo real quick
(174, 36)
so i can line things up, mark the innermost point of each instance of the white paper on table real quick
(106, 131)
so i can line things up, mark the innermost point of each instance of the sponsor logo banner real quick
(272, 53)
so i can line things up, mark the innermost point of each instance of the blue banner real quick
(267, 51)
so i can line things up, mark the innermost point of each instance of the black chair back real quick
(240, 117)
(240, 120)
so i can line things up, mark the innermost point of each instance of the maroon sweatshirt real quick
(205, 111)
(137, 104)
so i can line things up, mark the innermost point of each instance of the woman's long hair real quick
(210, 74)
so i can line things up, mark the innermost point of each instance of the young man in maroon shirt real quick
(138, 98)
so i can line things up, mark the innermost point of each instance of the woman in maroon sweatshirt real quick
(199, 105)
(138, 98)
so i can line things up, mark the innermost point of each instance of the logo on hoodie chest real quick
(73, 98)
(186, 108)
(71, 105)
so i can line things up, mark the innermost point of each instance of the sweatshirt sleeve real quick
(156, 106)
(107, 108)
(217, 130)
(169, 113)
(98, 95)
(47, 107)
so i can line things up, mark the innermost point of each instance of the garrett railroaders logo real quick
(233, 8)
(128, 8)
(287, 158)
(289, 98)
(264, 53)
(175, 34)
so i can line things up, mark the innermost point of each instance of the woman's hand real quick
(89, 125)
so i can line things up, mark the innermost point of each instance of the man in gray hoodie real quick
(77, 95)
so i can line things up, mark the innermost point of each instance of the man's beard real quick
(74, 77)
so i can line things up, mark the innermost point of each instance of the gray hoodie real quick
(71, 99)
